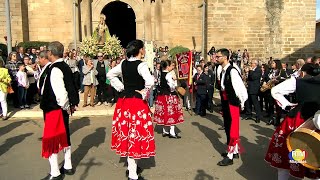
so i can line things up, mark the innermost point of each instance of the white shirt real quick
(143, 71)
(172, 84)
(42, 70)
(237, 84)
(286, 87)
(22, 79)
(58, 86)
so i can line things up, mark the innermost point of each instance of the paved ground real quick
(193, 157)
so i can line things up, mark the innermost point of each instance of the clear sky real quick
(318, 9)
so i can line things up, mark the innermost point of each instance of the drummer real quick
(308, 97)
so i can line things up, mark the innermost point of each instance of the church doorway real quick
(121, 21)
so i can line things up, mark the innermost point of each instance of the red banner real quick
(183, 65)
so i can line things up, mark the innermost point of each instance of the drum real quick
(307, 138)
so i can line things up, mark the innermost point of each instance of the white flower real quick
(132, 135)
(123, 122)
(133, 130)
(139, 113)
(133, 117)
(145, 126)
(149, 123)
(138, 122)
(144, 116)
(113, 122)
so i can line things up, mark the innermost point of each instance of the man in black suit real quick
(200, 80)
(254, 78)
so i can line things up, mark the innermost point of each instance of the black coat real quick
(201, 83)
(254, 78)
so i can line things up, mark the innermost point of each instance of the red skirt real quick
(54, 137)
(278, 154)
(132, 129)
(168, 111)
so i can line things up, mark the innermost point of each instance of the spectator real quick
(90, 82)
(5, 80)
(23, 85)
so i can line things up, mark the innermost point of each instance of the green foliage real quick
(177, 50)
(33, 44)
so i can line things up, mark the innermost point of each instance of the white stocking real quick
(67, 158)
(54, 165)
(172, 132)
(132, 167)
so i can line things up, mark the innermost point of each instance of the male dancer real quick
(231, 101)
(58, 102)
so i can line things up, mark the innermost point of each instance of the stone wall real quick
(277, 28)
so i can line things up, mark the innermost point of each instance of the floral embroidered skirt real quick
(278, 154)
(168, 110)
(132, 129)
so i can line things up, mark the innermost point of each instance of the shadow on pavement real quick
(215, 119)
(202, 175)
(6, 129)
(253, 164)
(88, 165)
(78, 124)
(213, 136)
(92, 140)
(263, 131)
(9, 143)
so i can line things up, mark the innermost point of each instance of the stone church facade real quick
(278, 28)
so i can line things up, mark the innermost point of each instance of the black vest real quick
(308, 97)
(164, 88)
(49, 100)
(131, 79)
(232, 97)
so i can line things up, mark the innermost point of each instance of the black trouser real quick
(201, 104)
(253, 100)
(31, 92)
(76, 79)
(270, 101)
(102, 91)
(210, 97)
(66, 125)
(226, 118)
(263, 99)
(14, 96)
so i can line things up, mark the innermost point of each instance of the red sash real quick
(54, 134)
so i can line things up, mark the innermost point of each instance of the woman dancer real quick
(168, 111)
(132, 129)
(308, 98)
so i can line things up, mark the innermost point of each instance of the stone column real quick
(158, 21)
(87, 19)
(147, 21)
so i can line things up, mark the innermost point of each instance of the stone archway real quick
(136, 5)
(121, 21)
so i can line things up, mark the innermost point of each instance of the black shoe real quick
(139, 171)
(165, 134)
(270, 122)
(248, 118)
(67, 171)
(257, 120)
(225, 162)
(235, 156)
(49, 177)
(176, 136)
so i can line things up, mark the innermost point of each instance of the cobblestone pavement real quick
(194, 157)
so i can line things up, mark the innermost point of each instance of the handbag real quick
(10, 90)
(181, 91)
